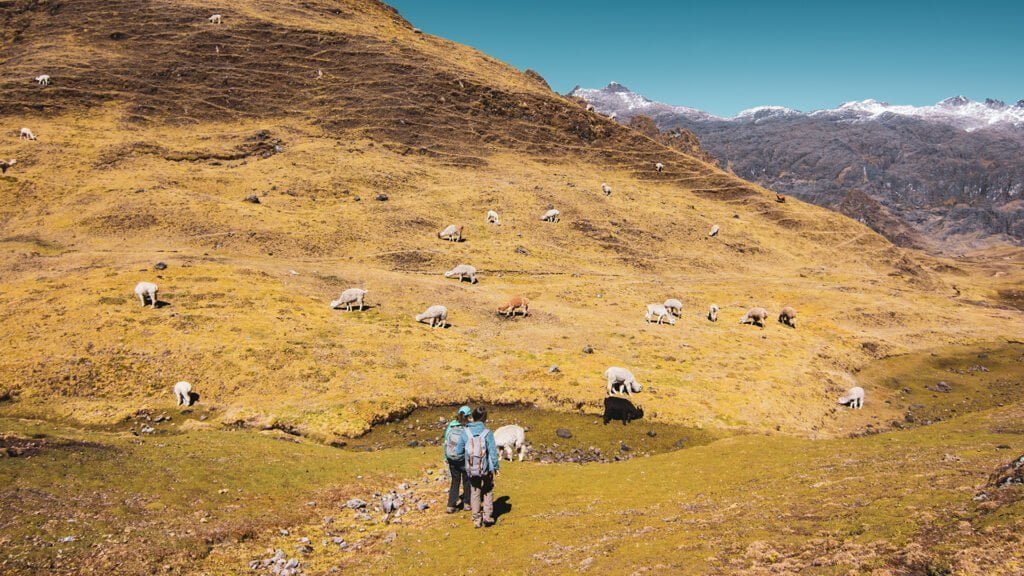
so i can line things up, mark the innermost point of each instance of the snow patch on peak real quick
(764, 112)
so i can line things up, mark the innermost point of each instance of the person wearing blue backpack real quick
(481, 465)
(455, 456)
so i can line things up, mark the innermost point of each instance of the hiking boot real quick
(450, 510)
(488, 522)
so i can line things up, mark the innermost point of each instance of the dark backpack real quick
(476, 454)
(451, 441)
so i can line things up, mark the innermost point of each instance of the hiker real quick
(455, 455)
(481, 465)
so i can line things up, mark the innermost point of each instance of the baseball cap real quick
(465, 410)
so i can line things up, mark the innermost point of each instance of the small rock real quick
(284, 532)
(355, 504)
(554, 369)
(252, 199)
(523, 251)
(160, 266)
(563, 433)
(403, 486)
(413, 444)
(624, 448)
(381, 197)
(422, 506)
(651, 433)
(588, 349)
(67, 539)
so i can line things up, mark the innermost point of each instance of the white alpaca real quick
(606, 189)
(659, 312)
(551, 215)
(714, 231)
(43, 80)
(713, 313)
(659, 167)
(510, 439)
(436, 315)
(349, 298)
(216, 19)
(590, 108)
(755, 316)
(451, 233)
(27, 134)
(146, 290)
(462, 272)
(675, 307)
(492, 217)
(620, 377)
(183, 393)
(854, 398)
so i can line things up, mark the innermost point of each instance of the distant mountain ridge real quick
(948, 176)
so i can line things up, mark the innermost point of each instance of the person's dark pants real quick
(457, 470)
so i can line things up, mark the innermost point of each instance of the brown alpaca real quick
(788, 317)
(515, 304)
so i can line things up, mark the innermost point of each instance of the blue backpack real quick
(476, 454)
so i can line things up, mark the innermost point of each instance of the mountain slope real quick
(950, 175)
(148, 145)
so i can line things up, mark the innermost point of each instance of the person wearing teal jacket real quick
(456, 459)
(481, 481)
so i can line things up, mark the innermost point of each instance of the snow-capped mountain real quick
(946, 175)
(957, 111)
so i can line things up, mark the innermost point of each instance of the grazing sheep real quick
(216, 19)
(183, 393)
(493, 218)
(27, 134)
(621, 409)
(621, 378)
(146, 290)
(675, 307)
(551, 216)
(462, 271)
(788, 317)
(606, 189)
(755, 316)
(590, 108)
(515, 304)
(43, 80)
(659, 167)
(437, 315)
(5, 164)
(854, 398)
(713, 313)
(349, 298)
(510, 439)
(451, 233)
(714, 231)
(660, 312)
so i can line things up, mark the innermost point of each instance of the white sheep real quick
(183, 393)
(621, 378)
(755, 316)
(146, 290)
(590, 108)
(216, 19)
(493, 218)
(854, 398)
(660, 312)
(510, 439)
(462, 272)
(713, 313)
(43, 80)
(714, 231)
(659, 167)
(27, 134)
(551, 216)
(451, 233)
(675, 307)
(5, 164)
(349, 298)
(437, 315)
(606, 189)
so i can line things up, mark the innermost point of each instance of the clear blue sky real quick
(727, 55)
